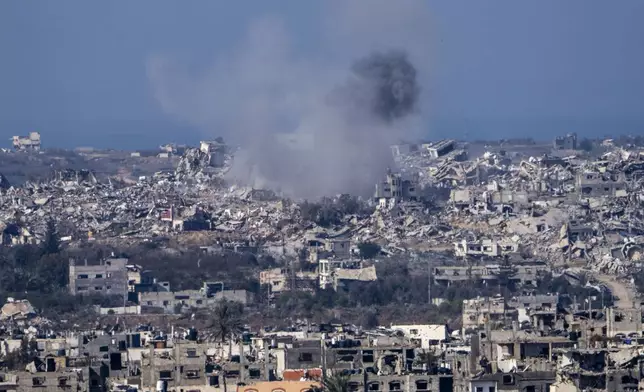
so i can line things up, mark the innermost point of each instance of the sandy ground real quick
(624, 292)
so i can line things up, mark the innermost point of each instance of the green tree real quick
(336, 382)
(51, 244)
(429, 359)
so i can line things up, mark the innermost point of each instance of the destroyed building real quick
(171, 301)
(395, 188)
(441, 148)
(568, 142)
(27, 143)
(592, 184)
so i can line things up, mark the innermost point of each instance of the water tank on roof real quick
(162, 386)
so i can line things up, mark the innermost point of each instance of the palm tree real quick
(336, 382)
(429, 358)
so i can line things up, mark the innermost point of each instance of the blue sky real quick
(76, 70)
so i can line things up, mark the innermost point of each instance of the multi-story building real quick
(592, 184)
(171, 301)
(568, 142)
(30, 142)
(395, 188)
(108, 277)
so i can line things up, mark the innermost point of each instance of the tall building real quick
(109, 277)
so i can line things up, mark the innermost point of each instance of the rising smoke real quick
(388, 81)
(307, 127)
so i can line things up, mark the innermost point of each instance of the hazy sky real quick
(76, 69)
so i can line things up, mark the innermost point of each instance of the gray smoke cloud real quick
(315, 124)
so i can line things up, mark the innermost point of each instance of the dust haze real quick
(316, 121)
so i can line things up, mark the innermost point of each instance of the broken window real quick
(306, 357)
(191, 353)
(367, 356)
(254, 373)
(38, 381)
(82, 276)
(479, 389)
(508, 379)
(395, 386)
(192, 374)
(422, 385)
(627, 379)
(99, 276)
(116, 361)
(530, 388)
(165, 375)
(374, 386)
(62, 382)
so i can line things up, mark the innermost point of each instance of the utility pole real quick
(429, 282)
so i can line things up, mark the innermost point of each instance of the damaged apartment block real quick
(108, 277)
(396, 188)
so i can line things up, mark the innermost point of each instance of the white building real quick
(31, 142)
(429, 336)
(483, 386)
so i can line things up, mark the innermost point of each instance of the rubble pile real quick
(193, 163)
(569, 211)
(165, 203)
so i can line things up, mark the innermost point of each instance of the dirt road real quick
(624, 292)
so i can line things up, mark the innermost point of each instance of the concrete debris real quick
(532, 203)
(16, 310)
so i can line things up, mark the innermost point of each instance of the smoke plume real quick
(390, 81)
(309, 125)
